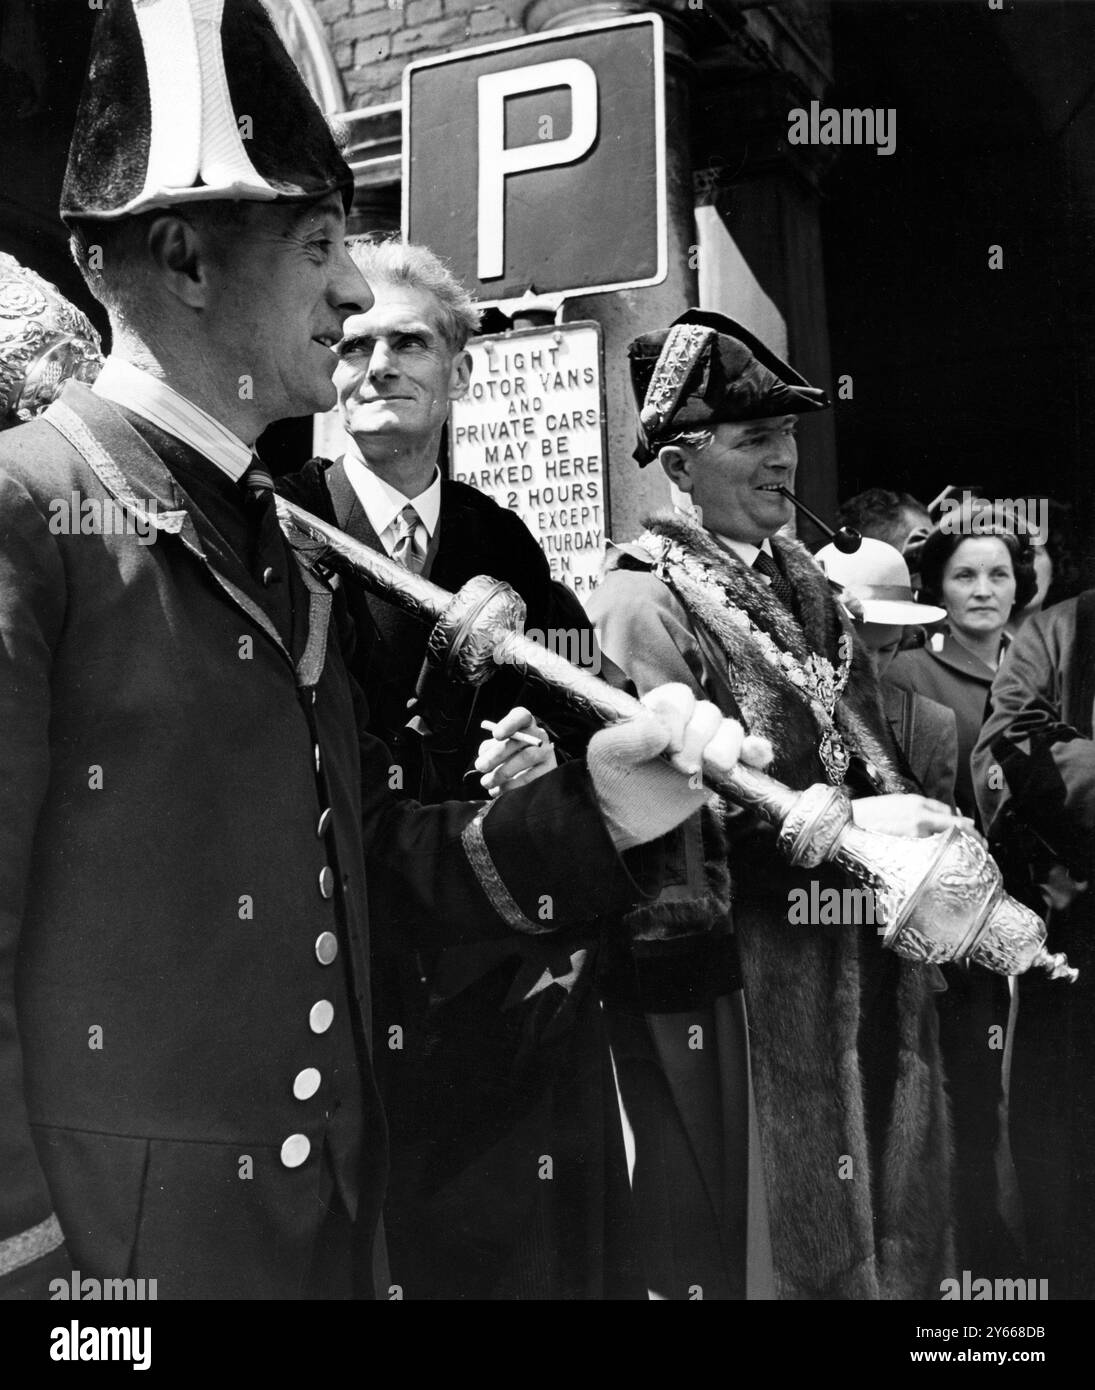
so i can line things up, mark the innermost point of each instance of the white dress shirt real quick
(161, 405)
(383, 503)
(746, 551)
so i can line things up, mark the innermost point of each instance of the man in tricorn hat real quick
(185, 1083)
(780, 1071)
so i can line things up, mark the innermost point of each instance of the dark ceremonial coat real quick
(1034, 770)
(843, 1056)
(499, 1063)
(170, 887)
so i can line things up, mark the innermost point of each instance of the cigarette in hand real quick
(529, 740)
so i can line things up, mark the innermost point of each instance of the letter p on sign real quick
(496, 161)
(539, 163)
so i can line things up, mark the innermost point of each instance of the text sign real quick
(540, 163)
(530, 434)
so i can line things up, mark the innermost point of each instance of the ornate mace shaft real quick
(937, 899)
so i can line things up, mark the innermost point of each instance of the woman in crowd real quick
(980, 568)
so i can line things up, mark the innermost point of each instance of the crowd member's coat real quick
(503, 1056)
(947, 673)
(843, 1049)
(926, 733)
(184, 956)
(1034, 770)
(976, 1001)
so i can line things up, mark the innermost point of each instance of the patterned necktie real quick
(406, 550)
(781, 589)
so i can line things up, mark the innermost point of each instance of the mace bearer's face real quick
(732, 479)
(284, 290)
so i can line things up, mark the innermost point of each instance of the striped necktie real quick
(406, 550)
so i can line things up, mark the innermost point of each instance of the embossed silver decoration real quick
(940, 898)
(44, 340)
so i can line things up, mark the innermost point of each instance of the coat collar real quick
(131, 471)
(957, 658)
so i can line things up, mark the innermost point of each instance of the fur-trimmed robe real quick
(838, 1028)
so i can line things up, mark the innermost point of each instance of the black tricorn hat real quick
(707, 369)
(194, 100)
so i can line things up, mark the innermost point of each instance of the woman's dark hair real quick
(973, 524)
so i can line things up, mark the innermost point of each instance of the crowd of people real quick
(309, 990)
(1004, 575)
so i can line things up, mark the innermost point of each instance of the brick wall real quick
(372, 40)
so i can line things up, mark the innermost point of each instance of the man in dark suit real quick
(186, 805)
(501, 1056)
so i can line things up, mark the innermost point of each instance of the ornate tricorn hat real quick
(44, 340)
(194, 100)
(707, 369)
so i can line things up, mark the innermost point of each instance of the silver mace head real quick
(937, 899)
(940, 898)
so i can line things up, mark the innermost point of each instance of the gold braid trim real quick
(490, 880)
(28, 1246)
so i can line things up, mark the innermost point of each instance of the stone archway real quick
(302, 33)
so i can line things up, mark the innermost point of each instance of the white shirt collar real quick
(161, 405)
(744, 550)
(382, 503)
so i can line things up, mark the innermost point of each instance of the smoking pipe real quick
(846, 540)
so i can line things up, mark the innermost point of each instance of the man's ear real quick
(676, 465)
(177, 253)
(460, 375)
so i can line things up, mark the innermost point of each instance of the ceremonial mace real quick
(939, 898)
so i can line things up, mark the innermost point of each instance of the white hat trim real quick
(193, 130)
(899, 612)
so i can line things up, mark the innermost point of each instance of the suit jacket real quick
(1038, 733)
(954, 677)
(184, 960)
(474, 536)
(926, 733)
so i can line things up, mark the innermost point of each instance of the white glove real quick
(640, 795)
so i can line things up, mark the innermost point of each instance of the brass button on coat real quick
(321, 1015)
(323, 822)
(326, 882)
(306, 1083)
(295, 1150)
(318, 756)
(326, 947)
